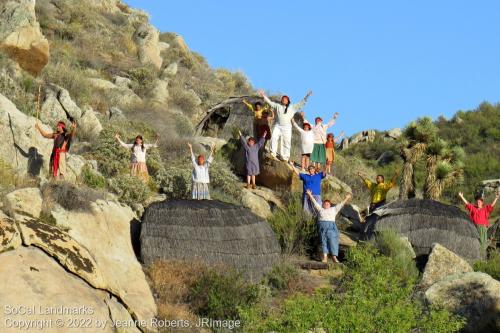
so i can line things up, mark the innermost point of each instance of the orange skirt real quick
(139, 170)
(330, 155)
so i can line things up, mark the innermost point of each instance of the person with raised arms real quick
(282, 129)
(327, 227)
(311, 182)
(200, 176)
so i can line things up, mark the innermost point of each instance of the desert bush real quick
(282, 276)
(92, 179)
(143, 79)
(130, 190)
(70, 196)
(71, 78)
(219, 292)
(294, 228)
(186, 100)
(389, 243)
(371, 297)
(490, 266)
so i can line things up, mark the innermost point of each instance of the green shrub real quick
(92, 179)
(294, 228)
(143, 79)
(372, 296)
(281, 276)
(389, 243)
(218, 293)
(490, 266)
(130, 190)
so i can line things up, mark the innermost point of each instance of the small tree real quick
(444, 168)
(416, 137)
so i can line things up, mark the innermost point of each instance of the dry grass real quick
(171, 281)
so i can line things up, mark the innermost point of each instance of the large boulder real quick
(35, 289)
(20, 35)
(146, 37)
(261, 201)
(24, 202)
(209, 231)
(426, 222)
(474, 295)
(22, 146)
(442, 263)
(105, 231)
(57, 105)
(278, 175)
(159, 93)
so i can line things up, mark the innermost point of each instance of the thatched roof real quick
(211, 231)
(425, 222)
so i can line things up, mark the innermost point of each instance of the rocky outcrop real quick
(278, 175)
(261, 201)
(159, 93)
(22, 203)
(105, 231)
(146, 37)
(57, 105)
(209, 231)
(442, 263)
(169, 71)
(20, 35)
(394, 133)
(59, 245)
(490, 185)
(34, 281)
(22, 146)
(426, 222)
(475, 296)
(334, 189)
(363, 136)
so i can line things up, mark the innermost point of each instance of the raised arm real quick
(193, 158)
(461, 196)
(365, 180)
(123, 144)
(333, 120)
(298, 106)
(249, 105)
(272, 104)
(72, 133)
(297, 127)
(340, 136)
(496, 199)
(153, 145)
(242, 139)
(347, 198)
(42, 132)
(210, 158)
(262, 140)
(293, 168)
(316, 205)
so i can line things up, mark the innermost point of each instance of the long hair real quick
(142, 144)
(289, 102)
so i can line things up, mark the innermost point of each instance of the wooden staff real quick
(38, 102)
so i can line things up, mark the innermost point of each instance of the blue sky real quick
(380, 64)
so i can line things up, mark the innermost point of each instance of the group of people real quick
(317, 148)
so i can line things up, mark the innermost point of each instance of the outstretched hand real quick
(117, 136)
(309, 93)
(264, 134)
(348, 197)
(190, 146)
(335, 115)
(461, 194)
(239, 133)
(261, 93)
(309, 192)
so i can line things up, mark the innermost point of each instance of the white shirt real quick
(282, 118)
(200, 172)
(327, 214)
(306, 138)
(138, 154)
(319, 131)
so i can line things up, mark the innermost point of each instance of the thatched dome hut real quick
(425, 222)
(209, 231)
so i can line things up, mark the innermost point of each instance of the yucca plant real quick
(417, 137)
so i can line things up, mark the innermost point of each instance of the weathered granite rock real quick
(9, 236)
(34, 281)
(394, 133)
(66, 250)
(22, 203)
(442, 263)
(474, 295)
(106, 232)
(20, 35)
(146, 37)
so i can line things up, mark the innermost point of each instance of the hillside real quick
(80, 238)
